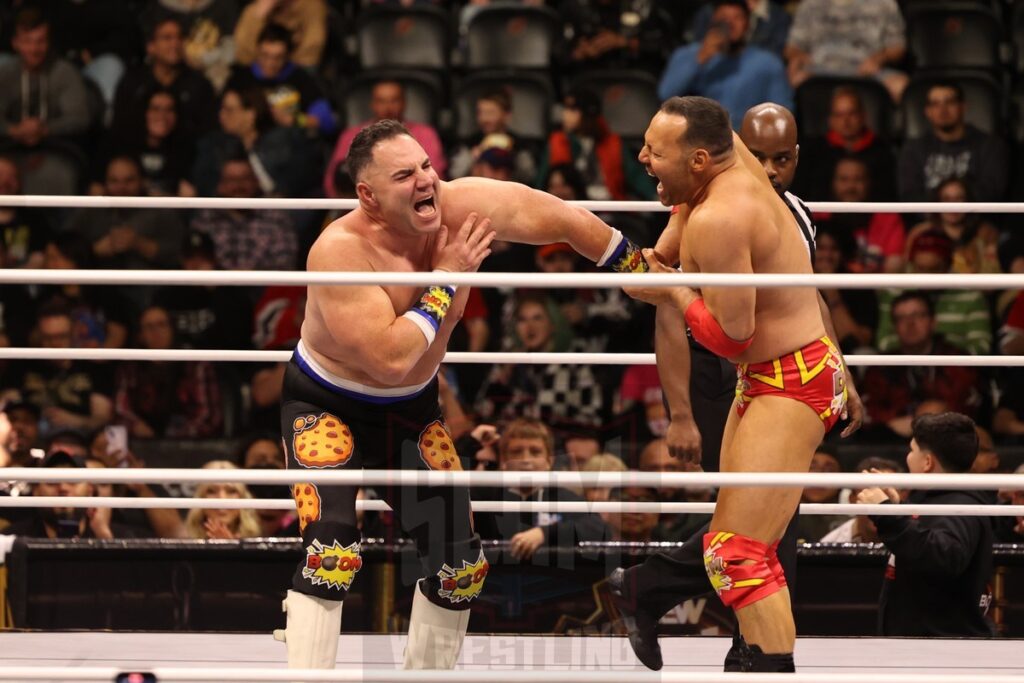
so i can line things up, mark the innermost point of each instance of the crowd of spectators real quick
(242, 100)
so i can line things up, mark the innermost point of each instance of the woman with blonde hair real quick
(602, 462)
(218, 522)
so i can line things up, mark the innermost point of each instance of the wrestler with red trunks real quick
(814, 375)
(791, 385)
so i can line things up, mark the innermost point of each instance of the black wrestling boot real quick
(755, 660)
(641, 627)
(736, 655)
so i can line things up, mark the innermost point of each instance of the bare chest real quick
(402, 297)
(772, 249)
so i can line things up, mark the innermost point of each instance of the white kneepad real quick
(435, 634)
(312, 631)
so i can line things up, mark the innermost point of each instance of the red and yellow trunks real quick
(813, 375)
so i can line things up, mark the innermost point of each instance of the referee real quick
(646, 592)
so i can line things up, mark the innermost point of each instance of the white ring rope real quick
(81, 201)
(503, 506)
(519, 479)
(463, 357)
(176, 675)
(248, 278)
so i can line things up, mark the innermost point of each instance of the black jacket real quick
(561, 529)
(936, 584)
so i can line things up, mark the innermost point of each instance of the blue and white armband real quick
(622, 256)
(429, 312)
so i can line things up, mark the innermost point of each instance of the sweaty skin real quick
(357, 332)
(739, 207)
(769, 131)
(731, 220)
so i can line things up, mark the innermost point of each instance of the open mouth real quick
(425, 207)
(661, 186)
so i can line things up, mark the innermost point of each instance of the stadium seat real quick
(814, 101)
(532, 97)
(957, 34)
(1017, 34)
(984, 96)
(1017, 113)
(416, 37)
(423, 93)
(629, 99)
(515, 36)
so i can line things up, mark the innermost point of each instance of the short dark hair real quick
(360, 154)
(914, 295)
(738, 4)
(499, 97)
(70, 436)
(275, 33)
(874, 462)
(29, 19)
(854, 159)
(707, 123)
(126, 159)
(235, 154)
(949, 85)
(572, 177)
(950, 437)
(54, 308)
(848, 91)
(254, 99)
(73, 246)
(157, 25)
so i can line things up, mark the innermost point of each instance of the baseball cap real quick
(62, 459)
(198, 243)
(934, 242)
(496, 157)
(21, 404)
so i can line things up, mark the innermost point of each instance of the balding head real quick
(769, 131)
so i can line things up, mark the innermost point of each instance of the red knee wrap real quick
(738, 584)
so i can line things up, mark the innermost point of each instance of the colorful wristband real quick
(428, 313)
(622, 256)
(709, 333)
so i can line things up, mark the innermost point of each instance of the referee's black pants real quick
(666, 579)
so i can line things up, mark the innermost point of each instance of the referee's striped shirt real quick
(803, 220)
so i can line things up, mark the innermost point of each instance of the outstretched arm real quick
(521, 214)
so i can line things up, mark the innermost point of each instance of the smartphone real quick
(117, 442)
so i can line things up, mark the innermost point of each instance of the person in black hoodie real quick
(936, 582)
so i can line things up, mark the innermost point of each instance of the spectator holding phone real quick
(68, 522)
(725, 68)
(939, 567)
(109, 447)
